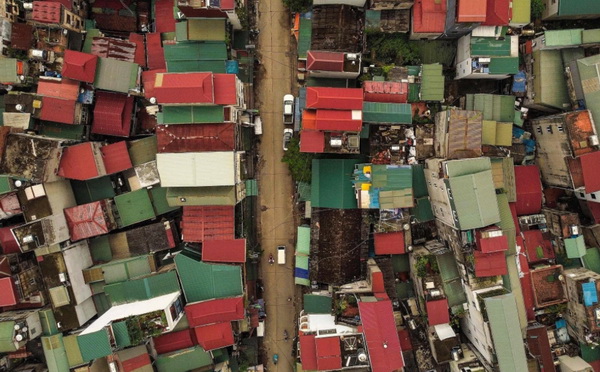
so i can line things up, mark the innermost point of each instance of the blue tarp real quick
(561, 323)
(519, 81)
(232, 67)
(590, 295)
(301, 273)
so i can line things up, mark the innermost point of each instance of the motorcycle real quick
(285, 335)
(275, 358)
(271, 259)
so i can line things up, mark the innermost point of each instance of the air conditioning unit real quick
(352, 56)
(335, 142)
(354, 142)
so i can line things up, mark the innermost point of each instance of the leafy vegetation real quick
(393, 49)
(537, 9)
(300, 163)
(298, 6)
(426, 265)
(242, 14)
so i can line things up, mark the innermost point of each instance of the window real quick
(549, 129)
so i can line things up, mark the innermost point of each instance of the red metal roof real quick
(215, 311)
(325, 61)
(225, 89)
(148, 80)
(404, 336)
(65, 89)
(110, 47)
(202, 223)
(116, 157)
(339, 120)
(491, 244)
(166, 21)
(230, 250)
(135, 363)
(5, 270)
(589, 170)
(471, 11)
(312, 141)
(140, 48)
(429, 16)
(489, 264)
(155, 51)
(78, 162)
(46, 11)
(389, 243)
(308, 352)
(58, 110)
(534, 239)
(594, 209)
(196, 137)
(173, 341)
(86, 220)
(377, 282)
(215, 336)
(9, 204)
(334, 98)
(112, 114)
(329, 353)
(190, 87)
(386, 91)
(79, 66)
(8, 243)
(539, 346)
(8, 293)
(526, 287)
(381, 335)
(437, 312)
(499, 13)
(21, 36)
(529, 189)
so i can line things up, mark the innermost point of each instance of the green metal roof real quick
(504, 65)
(432, 83)
(116, 75)
(563, 37)
(332, 183)
(142, 289)
(413, 92)
(590, 36)
(191, 114)
(55, 354)
(463, 167)
(391, 177)
(493, 106)
(202, 281)
(387, 113)
(419, 184)
(303, 240)
(142, 150)
(183, 360)
(48, 321)
(89, 38)
(6, 184)
(7, 330)
(373, 19)
(591, 260)
(489, 46)
(72, 349)
(470, 199)
(195, 51)
(451, 279)
(159, 200)
(400, 263)
(422, 211)
(8, 70)
(94, 345)
(304, 37)
(506, 223)
(121, 335)
(304, 191)
(124, 269)
(549, 85)
(59, 130)
(521, 12)
(589, 73)
(134, 207)
(317, 304)
(100, 249)
(589, 353)
(508, 342)
(93, 190)
(579, 7)
(197, 66)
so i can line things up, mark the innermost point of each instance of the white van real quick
(281, 254)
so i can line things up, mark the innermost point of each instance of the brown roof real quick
(337, 28)
(22, 36)
(196, 137)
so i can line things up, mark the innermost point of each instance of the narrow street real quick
(275, 182)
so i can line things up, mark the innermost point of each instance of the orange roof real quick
(471, 11)
(429, 16)
(65, 89)
(309, 120)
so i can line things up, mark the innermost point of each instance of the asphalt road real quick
(275, 183)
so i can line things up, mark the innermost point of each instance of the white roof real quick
(444, 331)
(196, 169)
(131, 309)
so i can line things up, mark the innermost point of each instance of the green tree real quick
(298, 6)
(537, 9)
(300, 163)
(393, 48)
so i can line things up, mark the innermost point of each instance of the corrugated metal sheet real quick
(503, 66)
(108, 47)
(196, 52)
(329, 355)
(489, 46)
(190, 88)
(21, 36)
(94, 345)
(381, 336)
(389, 243)
(87, 220)
(65, 89)
(196, 169)
(334, 98)
(206, 29)
(312, 141)
(207, 222)
(304, 37)
(155, 52)
(112, 114)
(432, 83)
(549, 85)
(73, 352)
(387, 113)
(386, 91)
(58, 110)
(325, 61)
(437, 312)
(115, 75)
(429, 16)
(202, 281)
(191, 114)
(570, 37)
(317, 304)
(464, 134)
(508, 342)
(134, 207)
(8, 70)
(331, 183)
(197, 66)
(47, 12)
(120, 333)
(54, 352)
(196, 137)
(116, 157)
(215, 311)
(470, 199)
(173, 341)
(231, 250)
(143, 150)
(183, 360)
